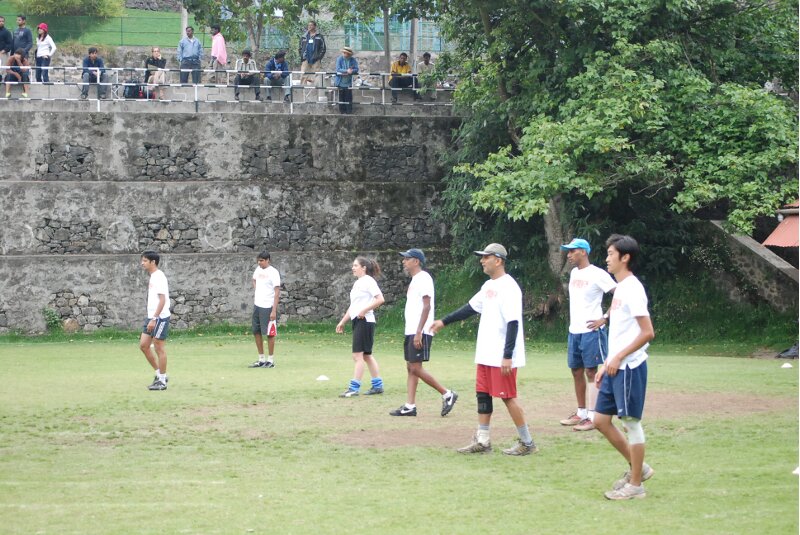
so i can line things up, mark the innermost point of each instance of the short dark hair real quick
(403, 54)
(213, 27)
(625, 245)
(92, 50)
(23, 17)
(313, 22)
(426, 55)
(189, 28)
(263, 255)
(152, 256)
(280, 54)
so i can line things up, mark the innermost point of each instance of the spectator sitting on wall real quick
(18, 70)
(426, 78)
(276, 73)
(156, 74)
(401, 76)
(94, 72)
(247, 74)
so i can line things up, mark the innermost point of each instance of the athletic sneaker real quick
(155, 379)
(573, 419)
(476, 447)
(268, 364)
(448, 404)
(520, 448)
(259, 364)
(627, 492)
(158, 385)
(647, 473)
(372, 391)
(404, 411)
(585, 425)
(349, 393)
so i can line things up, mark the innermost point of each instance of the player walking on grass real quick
(156, 326)
(420, 305)
(365, 297)
(267, 293)
(587, 339)
(623, 379)
(499, 351)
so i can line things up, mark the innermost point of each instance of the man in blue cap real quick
(588, 338)
(418, 336)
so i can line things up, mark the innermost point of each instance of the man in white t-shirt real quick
(587, 338)
(623, 379)
(156, 325)
(267, 293)
(499, 351)
(420, 306)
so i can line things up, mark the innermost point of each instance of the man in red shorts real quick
(499, 351)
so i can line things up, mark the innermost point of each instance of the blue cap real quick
(578, 243)
(414, 253)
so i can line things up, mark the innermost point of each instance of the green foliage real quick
(54, 8)
(52, 320)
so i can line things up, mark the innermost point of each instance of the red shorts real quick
(489, 379)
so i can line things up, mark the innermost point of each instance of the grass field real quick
(85, 448)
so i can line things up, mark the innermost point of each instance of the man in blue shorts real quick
(587, 339)
(156, 325)
(623, 379)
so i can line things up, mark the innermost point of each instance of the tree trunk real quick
(184, 20)
(556, 234)
(412, 44)
(387, 45)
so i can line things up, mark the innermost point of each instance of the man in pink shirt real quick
(219, 55)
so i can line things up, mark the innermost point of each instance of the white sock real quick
(158, 373)
(270, 358)
(261, 357)
(483, 436)
(162, 377)
(410, 406)
(447, 395)
(582, 413)
(591, 415)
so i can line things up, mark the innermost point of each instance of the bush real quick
(93, 8)
(52, 320)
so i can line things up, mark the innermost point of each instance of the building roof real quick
(787, 232)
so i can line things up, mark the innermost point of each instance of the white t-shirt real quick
(586, 289)
(364, 291)
(157, 285)
(267, 280)
(421, 286)
(498, 302)
(630, 302)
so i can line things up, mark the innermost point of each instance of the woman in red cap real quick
(45, 48)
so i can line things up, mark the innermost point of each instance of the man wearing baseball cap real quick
(587, 340)
(418, 337)
(499, 351)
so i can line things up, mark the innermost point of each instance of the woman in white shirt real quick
(45, 48)
(365, 297)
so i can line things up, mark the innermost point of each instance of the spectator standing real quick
(45, 48)
(23, 38)
(425, 77)
(247, 74)
(18, 70)
(312, 50)
(401, 77)
(190, 54)
(276, 73)
(6, 42)
(156, 74)
(94, 72)
(219, 53)
(346, 67)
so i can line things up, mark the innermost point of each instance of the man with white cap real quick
(587, 340)
(499, 351)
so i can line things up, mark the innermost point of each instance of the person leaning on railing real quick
(247, 74)
(346, 67)
(156, 74)
(19, 71)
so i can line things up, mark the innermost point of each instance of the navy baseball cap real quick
(578, 243)
(414, 253)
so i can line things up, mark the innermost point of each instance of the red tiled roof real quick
(786, 234)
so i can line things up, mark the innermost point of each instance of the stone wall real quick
(91, 191)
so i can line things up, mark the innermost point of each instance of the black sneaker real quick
(235, 97)
(269, 364)
(404, 411)
(372, 391)
(269, 98)
(447, 405)
(258, 364)
(287, 98)
(158, 385)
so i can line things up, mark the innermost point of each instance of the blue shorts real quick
(623, 394)
(160, 331)
(587, 350)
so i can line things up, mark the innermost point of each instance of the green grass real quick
(85, 448)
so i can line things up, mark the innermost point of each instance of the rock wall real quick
(90, 191)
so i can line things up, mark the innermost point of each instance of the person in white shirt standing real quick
(419, 314)
(45, 48)
(587, 339)
(156, 326)
(365, 297)
(623, 379)
(267, 290)
(499, 351)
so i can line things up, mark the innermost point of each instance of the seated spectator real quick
(276, 73)
(425, 78)
(401, 76)
(18, 70)
(247, 74)
(94, 72)
(156, 74)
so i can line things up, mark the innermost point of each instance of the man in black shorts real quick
(418, 320)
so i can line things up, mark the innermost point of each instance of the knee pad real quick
(484, 403)
(634, 429)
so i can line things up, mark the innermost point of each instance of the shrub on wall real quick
(93, 8)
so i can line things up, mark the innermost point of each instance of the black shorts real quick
(422, 354)
(261, 320)
(363, 336)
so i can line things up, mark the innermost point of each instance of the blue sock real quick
(525, 434)
(377, 382)
(355, 385)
